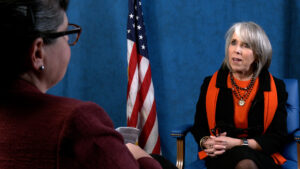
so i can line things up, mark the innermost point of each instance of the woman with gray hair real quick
(240, 121)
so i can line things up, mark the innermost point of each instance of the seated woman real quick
(240, 121)
(43, 131)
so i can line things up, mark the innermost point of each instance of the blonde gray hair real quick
(256, 38)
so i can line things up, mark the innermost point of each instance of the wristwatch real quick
(245, 142)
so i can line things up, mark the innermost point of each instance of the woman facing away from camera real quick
(240, 121)
(39, 130)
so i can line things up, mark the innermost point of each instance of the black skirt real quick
(231, 157)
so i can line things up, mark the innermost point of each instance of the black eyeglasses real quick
(73, 33)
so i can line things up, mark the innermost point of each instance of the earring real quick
(42, 68)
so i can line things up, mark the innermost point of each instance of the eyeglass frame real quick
(54, 35)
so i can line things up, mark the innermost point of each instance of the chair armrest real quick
(297, 136)
(297, 139)
(181, 131)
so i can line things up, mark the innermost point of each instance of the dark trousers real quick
(165, 163)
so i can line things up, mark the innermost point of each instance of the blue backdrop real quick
(185, 43)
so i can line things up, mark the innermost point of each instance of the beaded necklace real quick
(236, 89)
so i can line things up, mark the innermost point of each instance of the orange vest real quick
(270, 106)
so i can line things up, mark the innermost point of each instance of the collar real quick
(19, 86)
(264, 79)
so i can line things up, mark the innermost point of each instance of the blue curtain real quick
(185, 43)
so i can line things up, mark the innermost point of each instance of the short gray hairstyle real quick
(255, 36)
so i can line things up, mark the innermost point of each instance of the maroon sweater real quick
(41, 131)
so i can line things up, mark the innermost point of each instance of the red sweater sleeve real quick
(89, 141)
(147, 162)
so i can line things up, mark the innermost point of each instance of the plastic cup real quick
(130, 134)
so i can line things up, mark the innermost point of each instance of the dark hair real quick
(21, 22)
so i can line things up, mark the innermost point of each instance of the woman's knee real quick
(246, 164)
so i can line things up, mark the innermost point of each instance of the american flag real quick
(141, 107)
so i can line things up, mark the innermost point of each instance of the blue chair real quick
(290, 152)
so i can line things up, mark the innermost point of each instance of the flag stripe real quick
(130, 44)
(133, 65)
(134, 115)
(133, 91)
(133, 120)
(146, 84)
(147, 104)
(143, 68)
(156, 149)
(148, 126)
(152, 139)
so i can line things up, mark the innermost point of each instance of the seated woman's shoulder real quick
(75, 107)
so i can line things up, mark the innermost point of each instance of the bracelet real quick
(203, 140)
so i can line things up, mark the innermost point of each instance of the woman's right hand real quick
(212, 148)
(136, 151)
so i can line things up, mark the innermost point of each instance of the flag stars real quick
(133, 25)
(135, 7)
(131, 16)
(128, 31)
(141, 37)
(140, 3)
(139, 27)
(137, 18)
(143, 47)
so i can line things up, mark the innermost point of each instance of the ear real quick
(37, 54)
